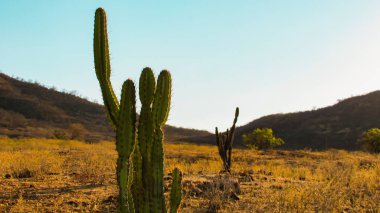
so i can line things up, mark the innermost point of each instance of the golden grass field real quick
(71, 176)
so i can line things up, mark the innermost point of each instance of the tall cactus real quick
(139, 144)
(224, 142)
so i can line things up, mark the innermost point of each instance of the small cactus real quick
(139, 144)
(175, 193)
(224, 142)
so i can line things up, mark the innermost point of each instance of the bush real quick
(78, 131)
(262, 139)
(60, 134)
(370, 140)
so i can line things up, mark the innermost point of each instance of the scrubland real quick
(71, 176)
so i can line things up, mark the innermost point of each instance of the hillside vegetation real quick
(30, 110)
(338, 126)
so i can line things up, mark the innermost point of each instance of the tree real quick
(370, 140)
(262, 139)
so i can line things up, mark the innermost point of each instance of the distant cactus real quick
(140, 165)
(224, 142)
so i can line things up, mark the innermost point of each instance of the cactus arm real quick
(176, 191)
(160, 111)
(221, 146)
(147, 86)
(227, 140)
(125, 133)
(232, 129)
(218, 141)
(125, 139)
(231, 138)
(103, 66)
(162, 97)
(217, 136)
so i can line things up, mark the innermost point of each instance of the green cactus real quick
(175, 193)
(224, 142)
(125, 139)
(140, 165)
(103, 65)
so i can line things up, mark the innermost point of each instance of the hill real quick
(30, 110)
(337, 126)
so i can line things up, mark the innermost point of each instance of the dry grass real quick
(71, 176)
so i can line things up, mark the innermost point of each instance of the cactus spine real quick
(224, 142)
(140, 164)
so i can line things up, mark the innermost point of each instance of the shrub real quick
(262, 139)
(370, 140)
(60, 134)
(78, 131)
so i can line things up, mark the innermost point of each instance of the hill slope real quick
(337, 126)
(31, 110)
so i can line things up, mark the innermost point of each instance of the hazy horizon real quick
(265, 57)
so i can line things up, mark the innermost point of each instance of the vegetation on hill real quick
(370, 140)
(338, 126)
(262, 139)
(30, 110)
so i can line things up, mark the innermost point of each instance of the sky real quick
(266, 57)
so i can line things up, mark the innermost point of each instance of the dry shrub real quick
(219, 191)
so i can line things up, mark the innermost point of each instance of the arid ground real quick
(71, 176)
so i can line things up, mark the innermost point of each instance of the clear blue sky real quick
(263, 56)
